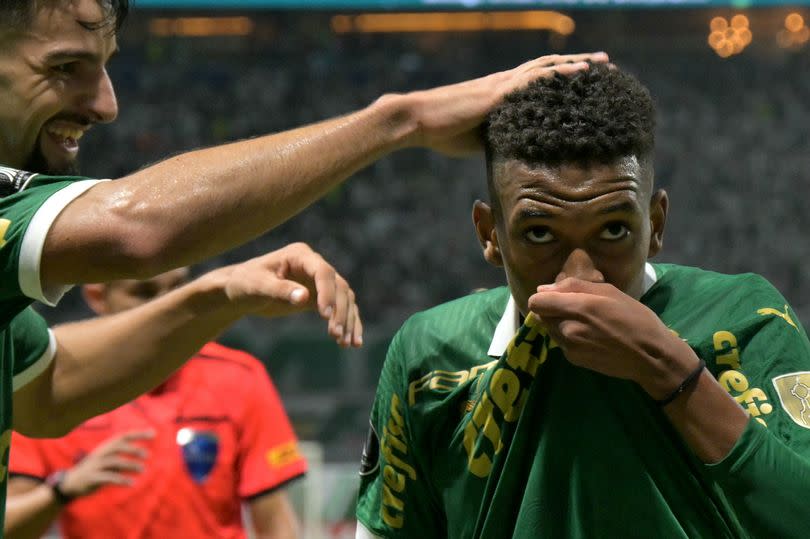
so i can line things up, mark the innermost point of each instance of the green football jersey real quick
(526, 445)
(29, 203)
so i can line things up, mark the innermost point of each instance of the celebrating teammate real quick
(58, 231)
(598, 395)
(181, 458)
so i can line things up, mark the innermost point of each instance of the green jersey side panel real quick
(530, 446)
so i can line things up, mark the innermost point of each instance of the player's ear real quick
(95, 295)
(659, 205)
(484, 222)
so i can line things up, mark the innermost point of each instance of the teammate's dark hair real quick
(18, 14)
(592, 117)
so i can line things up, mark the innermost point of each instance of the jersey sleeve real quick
(29, 204)
(394, 501)
(269, 456)
(764, 363)
(27, 457)
(34, 346)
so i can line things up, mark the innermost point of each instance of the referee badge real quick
(200, 449)
(794, 394)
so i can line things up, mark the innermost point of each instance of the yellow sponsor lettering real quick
(480, 465)
(504, 397)
(393, 478)
(4, 224)
(448, 381)
(725, 344)
(417, 386)
(505, 391)
(755, 401)
(443, 381)
(733, 381)
(478, 369)
(392, 502)
(396, 471)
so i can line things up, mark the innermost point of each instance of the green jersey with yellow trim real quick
(529, 446)
(28, 205)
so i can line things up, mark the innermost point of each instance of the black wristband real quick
(688, 381)
(55, 482)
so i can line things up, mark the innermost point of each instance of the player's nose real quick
(580, 265)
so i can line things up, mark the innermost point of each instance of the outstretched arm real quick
(198, 204)
(104, 362)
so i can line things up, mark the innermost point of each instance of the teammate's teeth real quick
(75, 134)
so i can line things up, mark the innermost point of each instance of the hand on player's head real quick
(295, 279)
(448, 117)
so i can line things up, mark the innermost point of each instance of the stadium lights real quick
(728, 38)
(794, 34)
(453, 22)
(201, 26)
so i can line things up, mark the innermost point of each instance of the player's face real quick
(54, 85)
(126, 294)
(599, 223)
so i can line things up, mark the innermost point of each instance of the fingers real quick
(561, 59)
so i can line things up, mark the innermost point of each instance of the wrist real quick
(670, 367)
(56, 481)
(399, 115)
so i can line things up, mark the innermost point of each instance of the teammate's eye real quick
(540, 235)
(65, 68)
(614, 231)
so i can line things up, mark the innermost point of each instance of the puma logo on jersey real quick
(783, 315)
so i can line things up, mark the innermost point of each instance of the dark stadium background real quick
(733, 152)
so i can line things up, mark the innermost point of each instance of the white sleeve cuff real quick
(363, 533)
(34, 241)
(39, 366)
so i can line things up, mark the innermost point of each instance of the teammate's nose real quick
(580, 265)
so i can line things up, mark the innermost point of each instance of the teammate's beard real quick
(37, 163)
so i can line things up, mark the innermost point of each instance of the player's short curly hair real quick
(18, 14)
(592, 117)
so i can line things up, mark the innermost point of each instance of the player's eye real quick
(614, 232)
(539, 235)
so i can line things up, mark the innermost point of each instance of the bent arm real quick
(104, 362)
(201, 203)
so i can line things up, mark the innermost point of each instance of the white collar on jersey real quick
(509, 323)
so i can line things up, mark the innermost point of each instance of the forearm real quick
(705, 415)
(273, 517)
(30, 513)
(201, 203)
(104, 362)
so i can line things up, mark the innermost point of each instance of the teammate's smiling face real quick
(54, 85)
(598, 223)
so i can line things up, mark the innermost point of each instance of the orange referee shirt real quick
(221, 437)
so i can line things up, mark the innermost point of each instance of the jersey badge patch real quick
(200, 449)
(13, 180)
(370, 460)
(794, 394)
